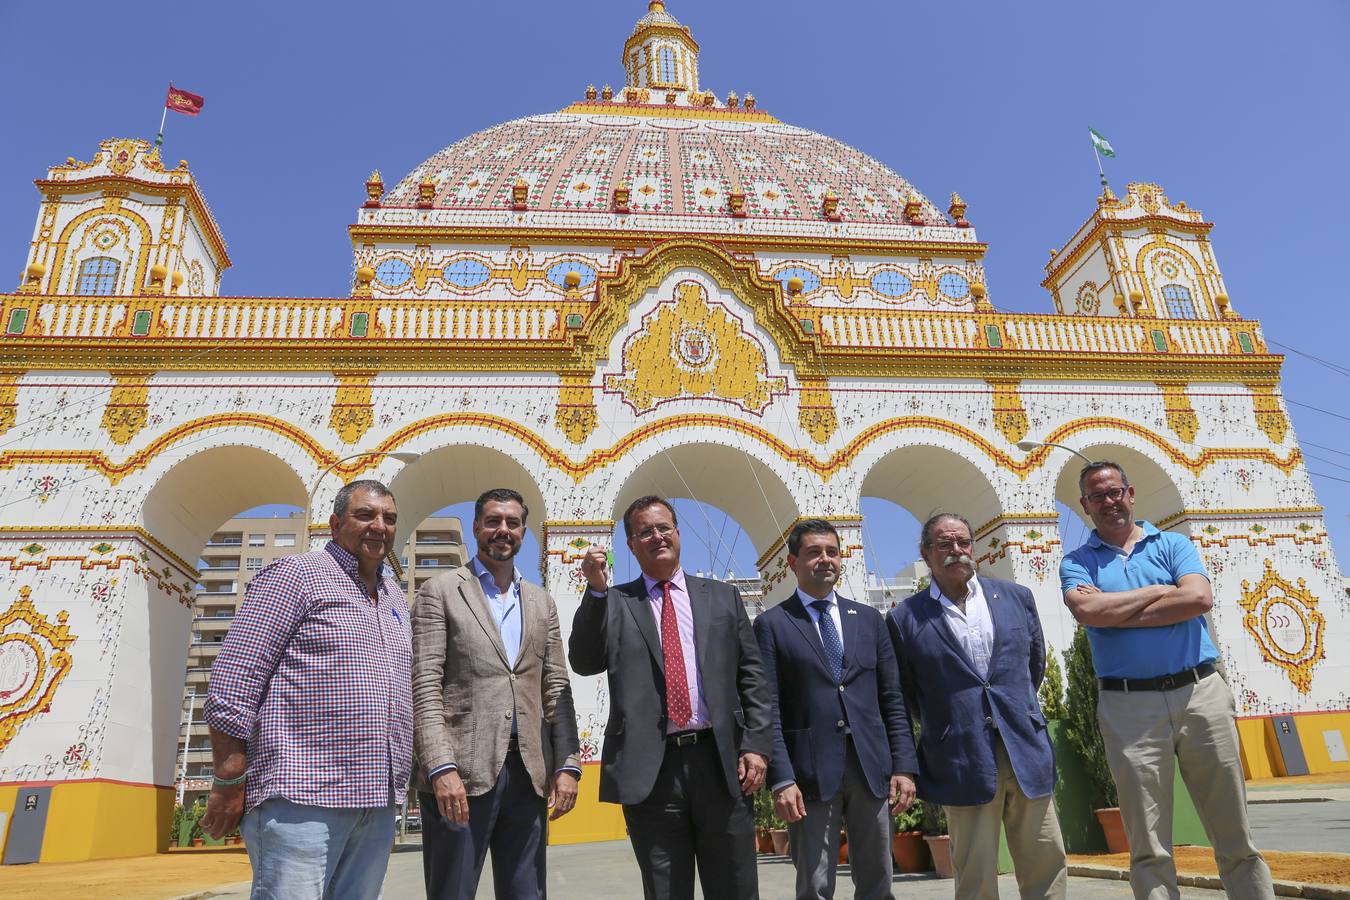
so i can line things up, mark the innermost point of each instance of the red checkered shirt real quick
(317, 681)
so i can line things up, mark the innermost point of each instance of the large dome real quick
(677, 160)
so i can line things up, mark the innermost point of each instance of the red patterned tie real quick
(677, 682)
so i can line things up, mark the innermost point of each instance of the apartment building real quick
(236, 551)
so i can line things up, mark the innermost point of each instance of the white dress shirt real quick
(811, 611)
(974, 628)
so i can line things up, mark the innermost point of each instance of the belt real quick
(1163, 683)
(688, 738)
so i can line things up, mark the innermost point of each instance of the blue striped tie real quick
(829, 636)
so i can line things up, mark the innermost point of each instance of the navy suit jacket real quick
(959, 711)
(810, 707)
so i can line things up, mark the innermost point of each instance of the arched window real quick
(1179, 303)
(98, 276)
(666, 60)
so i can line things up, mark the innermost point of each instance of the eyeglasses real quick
(647, 534)
(1102, 496)
(949, 546)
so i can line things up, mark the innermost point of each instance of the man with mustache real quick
(311, 713)
(1143, 594)
(971, 660)
(496, 733)
(842, 749)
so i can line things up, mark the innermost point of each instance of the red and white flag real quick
(181, 101)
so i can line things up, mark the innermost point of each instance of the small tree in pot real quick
(907, 846)
(1080, 726)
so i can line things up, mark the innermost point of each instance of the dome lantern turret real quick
(661, 53)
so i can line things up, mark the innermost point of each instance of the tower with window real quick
(661, 53)
(1139, 256)
(123, 224)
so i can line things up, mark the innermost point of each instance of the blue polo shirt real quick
(1158, 557)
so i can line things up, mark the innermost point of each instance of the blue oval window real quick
(558, 273)
(466, 273)
(953, 286)
(393, 272)
(810, 280)
(890, 283)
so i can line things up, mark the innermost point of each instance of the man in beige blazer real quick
(494, 727)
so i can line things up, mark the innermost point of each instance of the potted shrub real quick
(192, 825)
(176, 824)
(765, 820)
(907, 846)
(1080, 726)
(934, 825)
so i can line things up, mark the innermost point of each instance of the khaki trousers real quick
(1146, 734)
(1034, 840)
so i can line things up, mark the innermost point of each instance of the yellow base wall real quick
(1257, 760)
(1310, 728)
(1260, 753)
(589, 820)
(101, 820)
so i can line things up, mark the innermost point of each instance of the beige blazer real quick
(464, 691)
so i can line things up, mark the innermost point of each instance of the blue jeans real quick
(316, 853)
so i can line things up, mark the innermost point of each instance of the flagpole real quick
(159, 139)
(1100, 170)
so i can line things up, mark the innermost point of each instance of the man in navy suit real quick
(971, 659)
(842, 749)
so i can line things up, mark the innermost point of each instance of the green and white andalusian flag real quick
(1102, 145)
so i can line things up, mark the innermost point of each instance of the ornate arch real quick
(113, 209)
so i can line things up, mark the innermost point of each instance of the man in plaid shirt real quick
(310, 709)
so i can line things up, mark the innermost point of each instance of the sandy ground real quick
(158, 877)
(1307, 868)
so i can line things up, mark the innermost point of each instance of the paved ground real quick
(607, 871)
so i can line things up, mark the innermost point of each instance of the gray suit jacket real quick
(464, 690)
(618, 634)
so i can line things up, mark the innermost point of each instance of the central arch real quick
(726, 477)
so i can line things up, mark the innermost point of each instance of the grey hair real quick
(926, 535)
(344, 496)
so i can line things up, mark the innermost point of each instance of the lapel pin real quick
(851, 612)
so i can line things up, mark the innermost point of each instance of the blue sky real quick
(1238, 108)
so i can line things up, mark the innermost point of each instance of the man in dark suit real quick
(689, 731)
(971, 659)
(842, 748)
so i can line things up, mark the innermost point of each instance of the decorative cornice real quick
(616, 237)
(178, 190)
(600, 458)
(664, 111)
(81, 532)
(1088, 241)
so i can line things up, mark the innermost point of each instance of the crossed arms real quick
(1145, 607)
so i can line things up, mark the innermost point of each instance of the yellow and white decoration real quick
(656, 289)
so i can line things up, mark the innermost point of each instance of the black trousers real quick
(510, 820)
(689, 819)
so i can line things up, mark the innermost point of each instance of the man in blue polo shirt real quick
(1143, 594)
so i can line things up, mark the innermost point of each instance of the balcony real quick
(221, 566)
(226, 540)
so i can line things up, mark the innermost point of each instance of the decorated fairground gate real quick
(653, 290)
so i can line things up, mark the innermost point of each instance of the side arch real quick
(194, 496)
(457, 473)
(1157, 495)
(927, 478)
